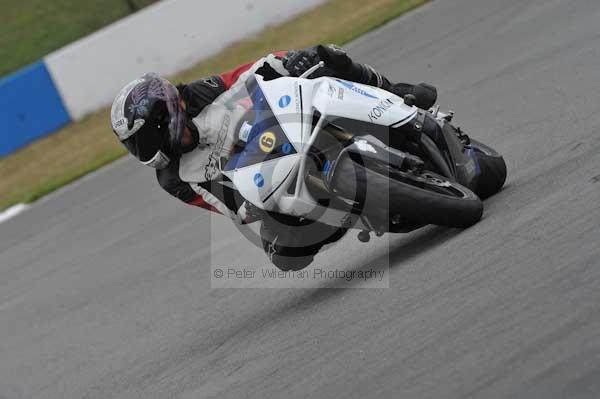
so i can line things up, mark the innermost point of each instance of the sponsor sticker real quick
(356, 89)
(285, 101)
(331, 91)
(245, 130)
(297, 99)
(267, 141)
(259, 180)
(335, 92)
(286, 148)
(381, 108)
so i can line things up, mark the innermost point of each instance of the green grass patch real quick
(30, 29)
(84, 146)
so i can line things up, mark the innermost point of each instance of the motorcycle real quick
(349, 155)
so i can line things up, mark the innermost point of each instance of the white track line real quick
(16, 209)
(12, 212)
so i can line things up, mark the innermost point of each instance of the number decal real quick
(267, 142)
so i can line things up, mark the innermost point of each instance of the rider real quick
(153, 119)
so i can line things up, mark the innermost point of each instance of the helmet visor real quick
(170, 95)
(145, 144)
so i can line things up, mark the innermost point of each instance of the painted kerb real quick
(30, 107)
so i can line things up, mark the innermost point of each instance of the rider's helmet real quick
(148, 120)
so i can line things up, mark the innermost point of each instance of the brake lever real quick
(312, 70)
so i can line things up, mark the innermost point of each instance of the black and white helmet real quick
(147, 119)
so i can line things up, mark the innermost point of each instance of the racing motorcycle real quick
(350, 155)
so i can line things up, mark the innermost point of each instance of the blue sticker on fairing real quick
(259, 180)
(356, 89)
(285, 101)
(287, 148)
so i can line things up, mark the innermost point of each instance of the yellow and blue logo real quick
(267, 142)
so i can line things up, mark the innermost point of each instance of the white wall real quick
(166, 37)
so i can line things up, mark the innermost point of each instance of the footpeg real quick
(466, 140)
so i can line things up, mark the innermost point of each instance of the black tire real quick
(386, 195)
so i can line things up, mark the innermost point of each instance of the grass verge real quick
(84, 146)
(30, 29)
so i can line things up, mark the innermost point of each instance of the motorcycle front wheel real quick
(389, 197)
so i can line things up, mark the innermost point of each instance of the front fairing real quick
(339, 98)
(260, 155)
(223, 146)
(265, 130)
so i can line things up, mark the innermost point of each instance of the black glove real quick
(334, 57)
(300, 61)
(425, 94)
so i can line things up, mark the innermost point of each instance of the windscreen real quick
(259, 134)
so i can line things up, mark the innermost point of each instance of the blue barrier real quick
(30, 107)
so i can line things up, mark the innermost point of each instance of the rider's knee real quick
(291, 263)
(425, 94)
(493, 175)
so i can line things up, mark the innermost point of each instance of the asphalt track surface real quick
(105, 288)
